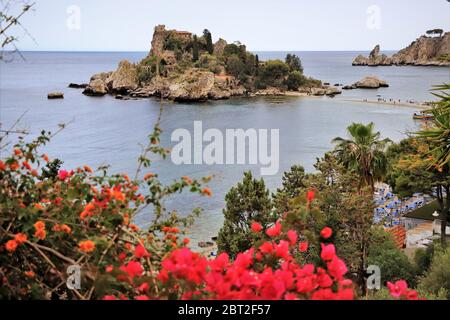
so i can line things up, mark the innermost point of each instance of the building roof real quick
(399, 234)
(425, 212)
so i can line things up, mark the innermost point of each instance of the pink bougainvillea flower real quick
(303, 246)
(141, 252)
(326, 233)
(328, 252)
(133, 269)
(275, 230)
(63, 174)
(398, 289)
(256, 227)
(292, 236)
(337, 268)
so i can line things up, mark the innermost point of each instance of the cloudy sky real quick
(117, 25)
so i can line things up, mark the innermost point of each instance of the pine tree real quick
(195, 53)
(293, 184)
(209, 43)
(246, 203)
(256, 64)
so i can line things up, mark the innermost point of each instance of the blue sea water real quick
(109, 131)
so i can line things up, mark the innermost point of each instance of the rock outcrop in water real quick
(371, 82)
(374, 59)
(425, 51)
(184, 67)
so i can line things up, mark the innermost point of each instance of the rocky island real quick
(428, 50)
(182, 66)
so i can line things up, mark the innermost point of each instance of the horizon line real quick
(253, 51)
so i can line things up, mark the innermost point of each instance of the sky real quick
(263, 25)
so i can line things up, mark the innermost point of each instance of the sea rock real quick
(332, 91)
(371, 82)
(78, 86)
(124, 79)
(374, 59)
(55, 95)
(318, 91)
(351, 87)
(97, 85)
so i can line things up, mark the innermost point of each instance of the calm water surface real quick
(109, 131)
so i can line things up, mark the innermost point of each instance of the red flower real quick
(144, 287)
(275, 230)
(398, 289)
(62, 175)
(109, 298)
(266, 248)
(326, 232)
(122, 256)
(256, 227)
(310, 195)
(133, 269)
(141, 252)
(87, 246)
(412, 295)
(27, 165)
(11, 245)
(303, 247)
(20, 238)
(328, 252)
(292, 236)
(14, 165)
(337, 268)
(142, 298)
(282, 250)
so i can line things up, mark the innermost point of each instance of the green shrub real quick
(295, 80)
(246, 203)
(437, 278)
(393, 262)
(273, 73)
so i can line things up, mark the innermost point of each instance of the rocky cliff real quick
(425, 51)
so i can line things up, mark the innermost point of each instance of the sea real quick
(106, 131)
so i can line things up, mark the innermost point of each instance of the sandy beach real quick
(388, 103)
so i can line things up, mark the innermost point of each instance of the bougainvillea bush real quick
(53, 218)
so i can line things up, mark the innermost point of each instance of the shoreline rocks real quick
(425, 51)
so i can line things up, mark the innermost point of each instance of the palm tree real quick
(364, 153)
(438, 134)
(438, 137)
